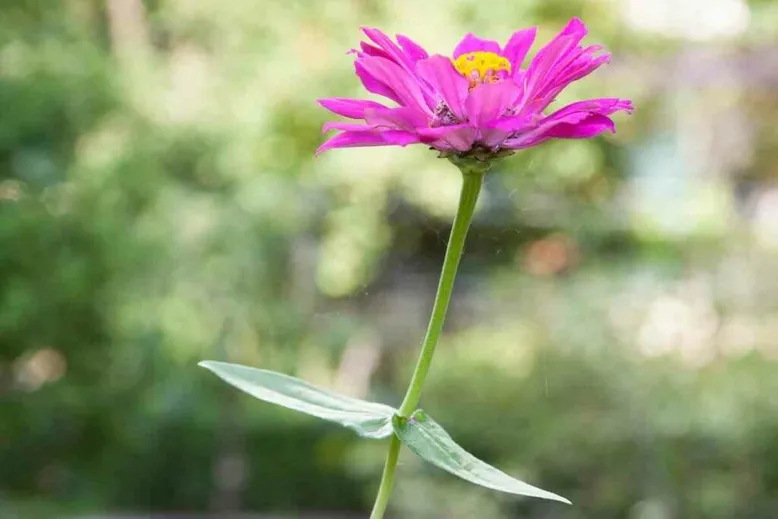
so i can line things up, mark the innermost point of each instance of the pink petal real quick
(401, 118)
(518, 46)
(539, 134)
(406, 55)
(582, 66)
(446, 81)
(591, 126)
(405, 88)
(412, 49)
(491, 137)
(372, 50)
(541, 64)
(576, 64)
(351, 108)
(460, 137)
(515, 123)
(551, 54)
(394, 52)
(568, 38)
(575, 27)
(579, 120)
(351, 140)
(472, 43)
(604, 106)
(372, 84)
(346, 127)
(487, 102)
(496, 132)
(399, 138)
(354, 139)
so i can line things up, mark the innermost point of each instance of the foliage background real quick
(613, 335)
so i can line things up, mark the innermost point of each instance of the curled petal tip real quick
(577, 24)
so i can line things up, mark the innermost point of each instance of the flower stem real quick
(471, 187)
(387, 480)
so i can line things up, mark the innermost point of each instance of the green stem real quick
(471, 187)
(387, 480)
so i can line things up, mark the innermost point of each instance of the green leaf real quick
(431, 442)
(368, 419)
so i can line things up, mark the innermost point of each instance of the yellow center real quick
(481, 67)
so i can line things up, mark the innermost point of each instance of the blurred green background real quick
(614, 331)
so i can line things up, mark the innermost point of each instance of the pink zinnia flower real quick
(478, 103)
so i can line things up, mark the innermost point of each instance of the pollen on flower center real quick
(481, 67)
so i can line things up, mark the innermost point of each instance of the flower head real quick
(478, 103)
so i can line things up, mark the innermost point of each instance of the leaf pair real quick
(420, 433)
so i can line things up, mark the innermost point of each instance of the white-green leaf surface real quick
(428, 440)
(368, 419)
